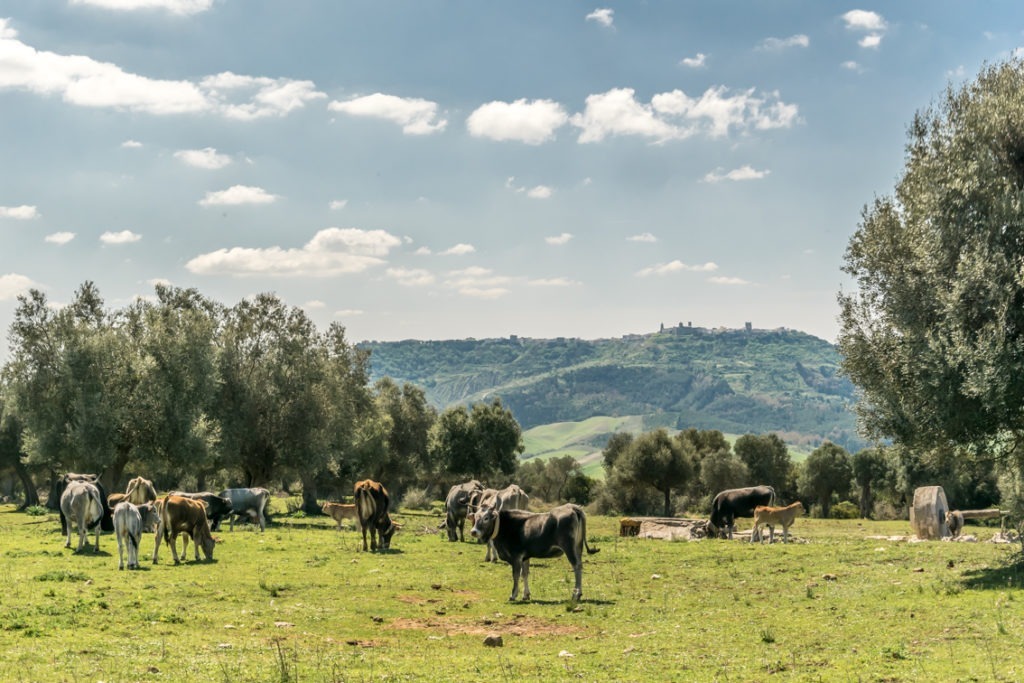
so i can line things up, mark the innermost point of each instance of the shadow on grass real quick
(1008, 574)
(549, 603)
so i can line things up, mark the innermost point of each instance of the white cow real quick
(248, 502)
(82, 506)
(509, 498)
(128, 529)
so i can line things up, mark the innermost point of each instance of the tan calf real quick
(770, 516)
(341, 511)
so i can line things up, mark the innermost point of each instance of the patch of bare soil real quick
(518, 625)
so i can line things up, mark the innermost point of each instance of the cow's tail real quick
(773, 498)
(98, 508)
(583, 530)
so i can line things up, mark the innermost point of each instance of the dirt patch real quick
(518, 625)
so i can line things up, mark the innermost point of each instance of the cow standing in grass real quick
(768, 516)
(340, 512)
(457, 508)
(509, 498)
(180, 515)
(128, 529)
(82, 504)
(372, 508)
(733, 503)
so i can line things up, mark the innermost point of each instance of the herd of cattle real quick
(499, 518)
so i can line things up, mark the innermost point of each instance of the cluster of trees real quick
(193, 393)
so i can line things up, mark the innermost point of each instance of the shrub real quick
(845, 510)
(416, 499)
(36, 510)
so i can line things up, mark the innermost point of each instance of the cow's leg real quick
(158, 537)
(517, 568)
(526, 578)
(174, 548)
(575, 557)
(364, 538)
(785, 533)
(133, 550)
(120, 552)
(99, 528)
(373, 537)
(262, 521)
(67, 543)
(771, 534)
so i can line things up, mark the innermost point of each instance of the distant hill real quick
(737, 381)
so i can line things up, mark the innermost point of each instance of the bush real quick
(416, 499)
(36, 511)
(845, 510)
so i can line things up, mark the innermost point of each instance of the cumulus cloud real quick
(479, 283)
(238, 194)
(674, 115)
(864, 20)
(203, 158)
(12, 285)
(695, 62)
(334, 251)
(314, 304)
(415, 116)
(552, 282)
(536, 192)
(776, 44)
(121, 237)
(182, 7)
(460, 249)
(851, 65)
(19, 213)
(131, 144)
(86, 82)
(337, 204)
(741, 173)
(348, 312)
(520, 121)
(557, 240)
(731, 281)
(59, 238)
(642, 237)
(872, 40)
(676, 267)
(411, 277)
(604, 17)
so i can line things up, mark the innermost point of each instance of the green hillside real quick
(737, 381)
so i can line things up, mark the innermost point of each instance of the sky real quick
(442, 170)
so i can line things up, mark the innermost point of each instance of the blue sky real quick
(436, 170)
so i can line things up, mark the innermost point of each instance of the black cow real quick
(57, 490)
(456, 507)
(518, 535)
(372, 505)
(733, 503)
(217, 507)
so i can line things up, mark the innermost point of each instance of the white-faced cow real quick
(180, 515)
(128, 529)
(519, 535)
(140, 491)
(372, 506)
(456, 508)
(57, 491)
(217, 507)
(509, 498)
(251, 503)
(82, 505)
(340, 512)
(772, 516)
(733, 503)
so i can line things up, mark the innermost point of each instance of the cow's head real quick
(204, 539)
(386, 528)
(485, 524)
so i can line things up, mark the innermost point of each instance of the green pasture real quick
(302, 602)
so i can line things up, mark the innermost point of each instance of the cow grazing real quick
(180, 515)
(128, 529)
(771, 516)
(519, 535)
(217, 507)
(82, 504)
(509, 498)
(372, 506)
(140, 491)
(456, 508)
(955, 522)
(57, 490)
(733, 503)
(251, 503)
(340, 511)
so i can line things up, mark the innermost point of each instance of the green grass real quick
(301, 602)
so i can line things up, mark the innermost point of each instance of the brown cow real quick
(180, 515)
(340, 511)
(770, 516)
(372, 505)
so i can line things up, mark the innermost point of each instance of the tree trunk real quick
(865, 501)
(31, 494)
(826, 506)
(309, 504)
(201, 480)
(668, 503)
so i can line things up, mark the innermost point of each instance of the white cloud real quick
(731, 281)
(642, 237)
(741, 173)
(411, 277)
(314, 304)
(521, 121)
(238, 194)
(122, 237)
(479, 283)
(337, 204)
(863, 20)
(540, 192)
(870, 41)
(333, 251)
(603, 16)
(19, 213)
(12, 284)
(203, 158)
(695, 62)
(59, 238)
(183, 7)
(423, 251)
(553, 282)
(775, 44)
(85, 82)
(851, 66)
(416, 116)
(675, 267)
(674, 115)
(131, 144)
(348, 312)
(557, 240)
(153, 282)
(460, 249)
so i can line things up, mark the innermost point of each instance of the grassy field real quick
(302, 602)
